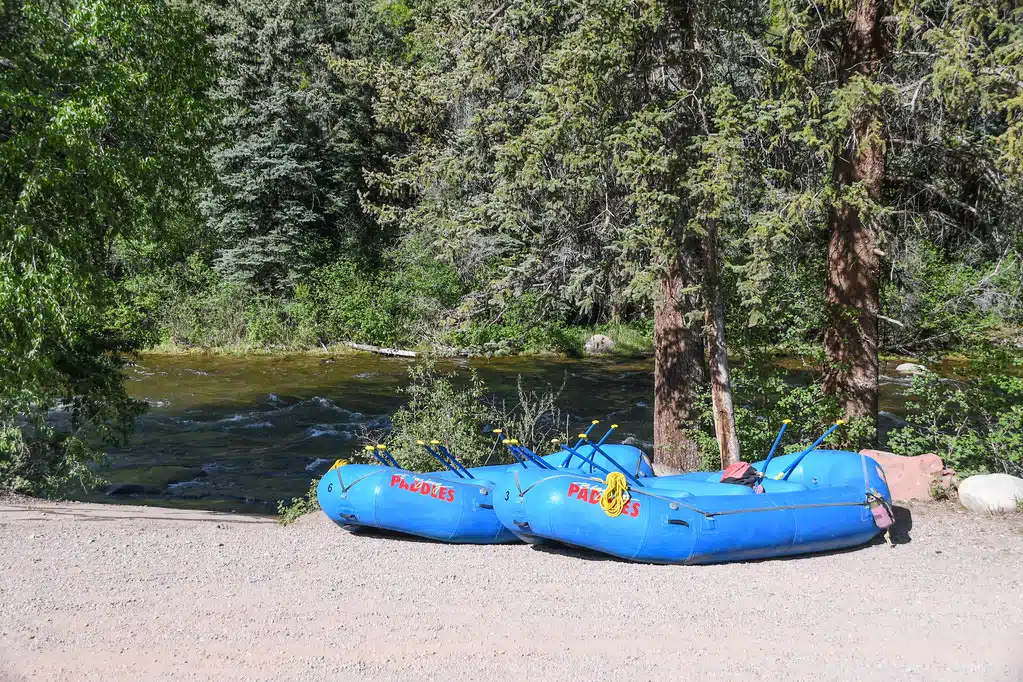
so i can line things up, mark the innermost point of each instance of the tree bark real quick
(678, 367)
(854, 265)
(717, 352)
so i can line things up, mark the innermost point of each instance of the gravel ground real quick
(109, 592)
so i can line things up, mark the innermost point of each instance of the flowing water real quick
(242, 432)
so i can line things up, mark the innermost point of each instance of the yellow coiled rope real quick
(616, 494)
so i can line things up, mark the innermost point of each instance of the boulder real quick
(913, 478)
(991, 493)
(598, 344)
(910, 368)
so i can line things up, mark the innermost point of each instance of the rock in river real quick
(910, 368)
(598, 344)
(991, 493)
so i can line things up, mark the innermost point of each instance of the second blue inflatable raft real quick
(827, 503)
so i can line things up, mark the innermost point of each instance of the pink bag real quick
(882, 518)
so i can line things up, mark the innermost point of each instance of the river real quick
(240, 433)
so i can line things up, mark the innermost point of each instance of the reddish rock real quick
(912, 478)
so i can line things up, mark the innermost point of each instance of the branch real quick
(381, 351)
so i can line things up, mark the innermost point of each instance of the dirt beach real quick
(94, 592)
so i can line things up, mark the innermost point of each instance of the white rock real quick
(991, 493)
(910, 368)
(598, 344)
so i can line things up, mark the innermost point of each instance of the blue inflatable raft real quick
(829, 500)
(453, 505)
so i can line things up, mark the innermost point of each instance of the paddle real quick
(784, 476)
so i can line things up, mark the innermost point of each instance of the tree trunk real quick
(854, 265)
(717, 352)
(678, 367)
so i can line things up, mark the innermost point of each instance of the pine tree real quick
(298, 138)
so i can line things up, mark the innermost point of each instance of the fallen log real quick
(381, 351)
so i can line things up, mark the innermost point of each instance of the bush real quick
(437, 409)
(400, 305)
(463, 417)
(762, 404)
(949, 303)
(527, 324)
(974, 425)
(289, 513)
(534, 419)
(45, 463)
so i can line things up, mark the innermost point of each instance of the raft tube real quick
(440, 505)
(694, 519)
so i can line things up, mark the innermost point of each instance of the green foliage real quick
(535, 419)
(289, 174)
(462, 416)
(403, 304)
(944, 301)
(763, 403)
(525, 325)
(103, 126)
(439, 409)
(41, 462)
(299, 506)
(974, 425)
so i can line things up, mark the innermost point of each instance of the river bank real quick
(97, 592)
(242, 432)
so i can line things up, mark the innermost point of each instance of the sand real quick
(94, 592)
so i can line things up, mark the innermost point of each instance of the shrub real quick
(975, 425)
(943, 302)
(289, 513)
(534, 418)
(528, 323)
(399, 305)
(762, 404)
(46, 463)
(438, 409)
(463, 416)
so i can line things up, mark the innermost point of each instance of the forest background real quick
(703, 181)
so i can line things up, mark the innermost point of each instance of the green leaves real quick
(974, 425)
(298, 140)
(101, 132)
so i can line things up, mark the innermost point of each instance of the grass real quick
(632, 339)
(241, 348)
(300, 506)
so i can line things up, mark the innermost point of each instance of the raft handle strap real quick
(711, 515)
(703, 512)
